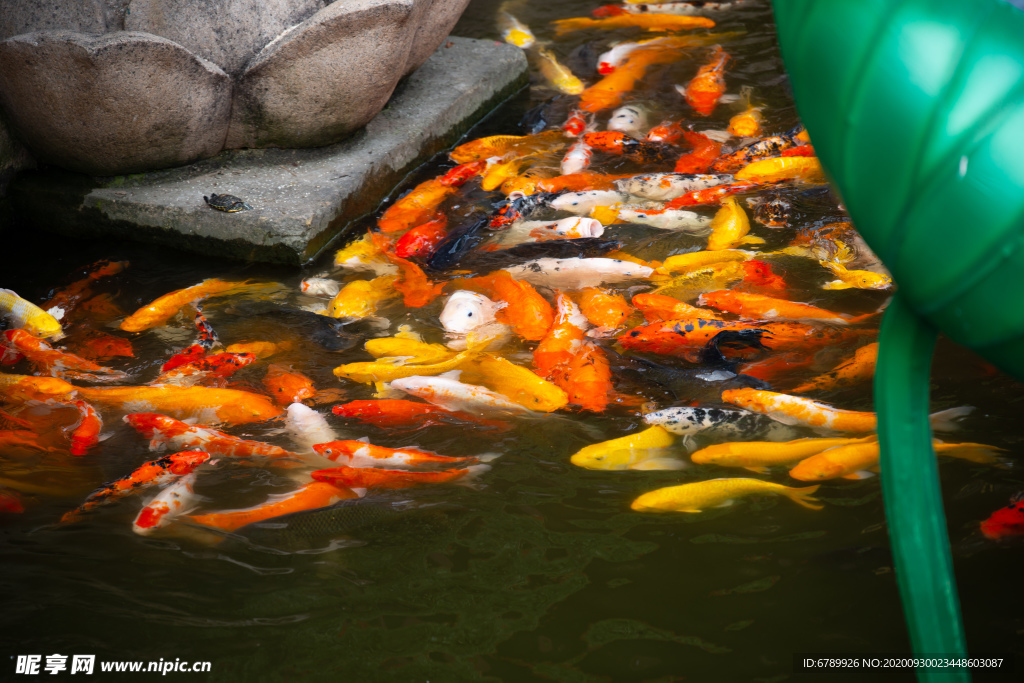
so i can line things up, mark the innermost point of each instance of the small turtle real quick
(225, 202)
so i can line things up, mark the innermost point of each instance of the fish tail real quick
(949, 420)
(803, 496)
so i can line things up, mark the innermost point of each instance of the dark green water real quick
(538, 573)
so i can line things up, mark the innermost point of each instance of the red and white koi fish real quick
(165, 432)
(363, 454)
(174, 501)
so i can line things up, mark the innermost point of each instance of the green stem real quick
(910, 486)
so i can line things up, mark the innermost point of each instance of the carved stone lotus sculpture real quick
(120, 86)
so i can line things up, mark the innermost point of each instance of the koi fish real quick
(629, 119)
(560, 78)
(10, 501)
(648, 22)
(364, 254)
(658, 308)
(748, 122)
(668, 132)
(461, 174)
(730, 226)
(699, 496)
(85, 432)
(363, 454)
(394, 413)
(851, 461)
(24, 439)
(155, 473)
(95, 344)
(611, 90)
(758, 456)
(375, 478)
(576, 123)
(422, 240)
(456, 396)
(500, 145)
(722, 422)
(577, 273)
(572, 228)
(174, 501)
(602, 309)
(416, 289)
(665, 186)
(57, 363)
(286, 385)
(525, 310)
(22, 388)
(219, 366)
(764, 147)
(207, 404)
(709, 195)
(412, 350)
(646, 450)
(361, 298)
(24, 314)
(580, 203)
(165, 432)
(565, 338)
(418, 206)
(161, 309)
(773, 211)
(320, 287)
(69, 297)
(807, 169)
(859, 368)
(1005, 522)
(313, 495)
(795, 410)
(586, 379)
(686, 8)
(260, 349)
(618, 143)
(513, 31)
(698, 259)
(307, 427)
(704, 90)
(385, 371)
(761, 307)
(577, 158)
(846, 279)
(516, 383)
(676, 219)
(703, 155)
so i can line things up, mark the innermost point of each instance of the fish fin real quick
(452, 374)
(488, 457)
(602, 332)
(659, 464)
(359, 491)
(717, 135)
(836, 284)
(104, 436)
(860, 474)
(805, 497)
(56, 311)
(757, 470)
(727, 98)
(948, 420)
(725, 503)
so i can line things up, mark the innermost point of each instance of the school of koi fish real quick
(625, 257)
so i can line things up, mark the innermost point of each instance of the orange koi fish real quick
(286, 385)
(163, 308)
(313, 495)
(70, 296)
(758, 277)
(22, 388)
(702, 157)
(761, 307)
(217, 366)
(423, 239)
(575, 123)
(95, 344)
(207, 404)
(860, 368)
(501, 145)
(603, 309)
(375, 478)
(527, 312)
(206, 339)
(563, 340)
(587, 379)
(416, 288)
(394, 413)
(765, 147)
(580, 182)
(99, 309)
(155, 473)
(85, 433)
(260, 349)
(617, 142)
(54, 362)
(163, 432)
(658, 307)
(363, 454)
(798, 151)
(708, 195)
(806, 168)
(420, 205)
(707, 86)
(460, 175)
(667, 132)
(611, 90)
(678, 337)
(777, 368)
(648, 22)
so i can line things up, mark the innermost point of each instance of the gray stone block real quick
(228, 33)
(123, 102)
(324, 78)
(302, 199)
(433, 20)
(83, 16)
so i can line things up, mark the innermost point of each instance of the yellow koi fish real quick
(860, 368)
(413, 350)
(730, 227)
(648, 22)
(360, 298)
(364, 254)
(847, 279)
(208, 405)
(641, 451)
(517, 383)
(163, 308)
(698, 496)
(758, 456)
(390, 369)
(560, 78)
(783, 168)
(513, 31)
(26, 315)
(851, 461)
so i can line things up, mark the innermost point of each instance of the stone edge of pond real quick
(302, 199)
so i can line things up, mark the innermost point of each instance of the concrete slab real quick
(302, 198)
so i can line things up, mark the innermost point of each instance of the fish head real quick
(1007, 521)
(186, 462)
(149, 424)
(465, 311)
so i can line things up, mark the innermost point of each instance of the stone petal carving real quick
(83, 16)
(324, 78)
(435, 20)
(118, 103)
(227, 32)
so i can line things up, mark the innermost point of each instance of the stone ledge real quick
(302, 198)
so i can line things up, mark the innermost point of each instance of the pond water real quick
(538, 571)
